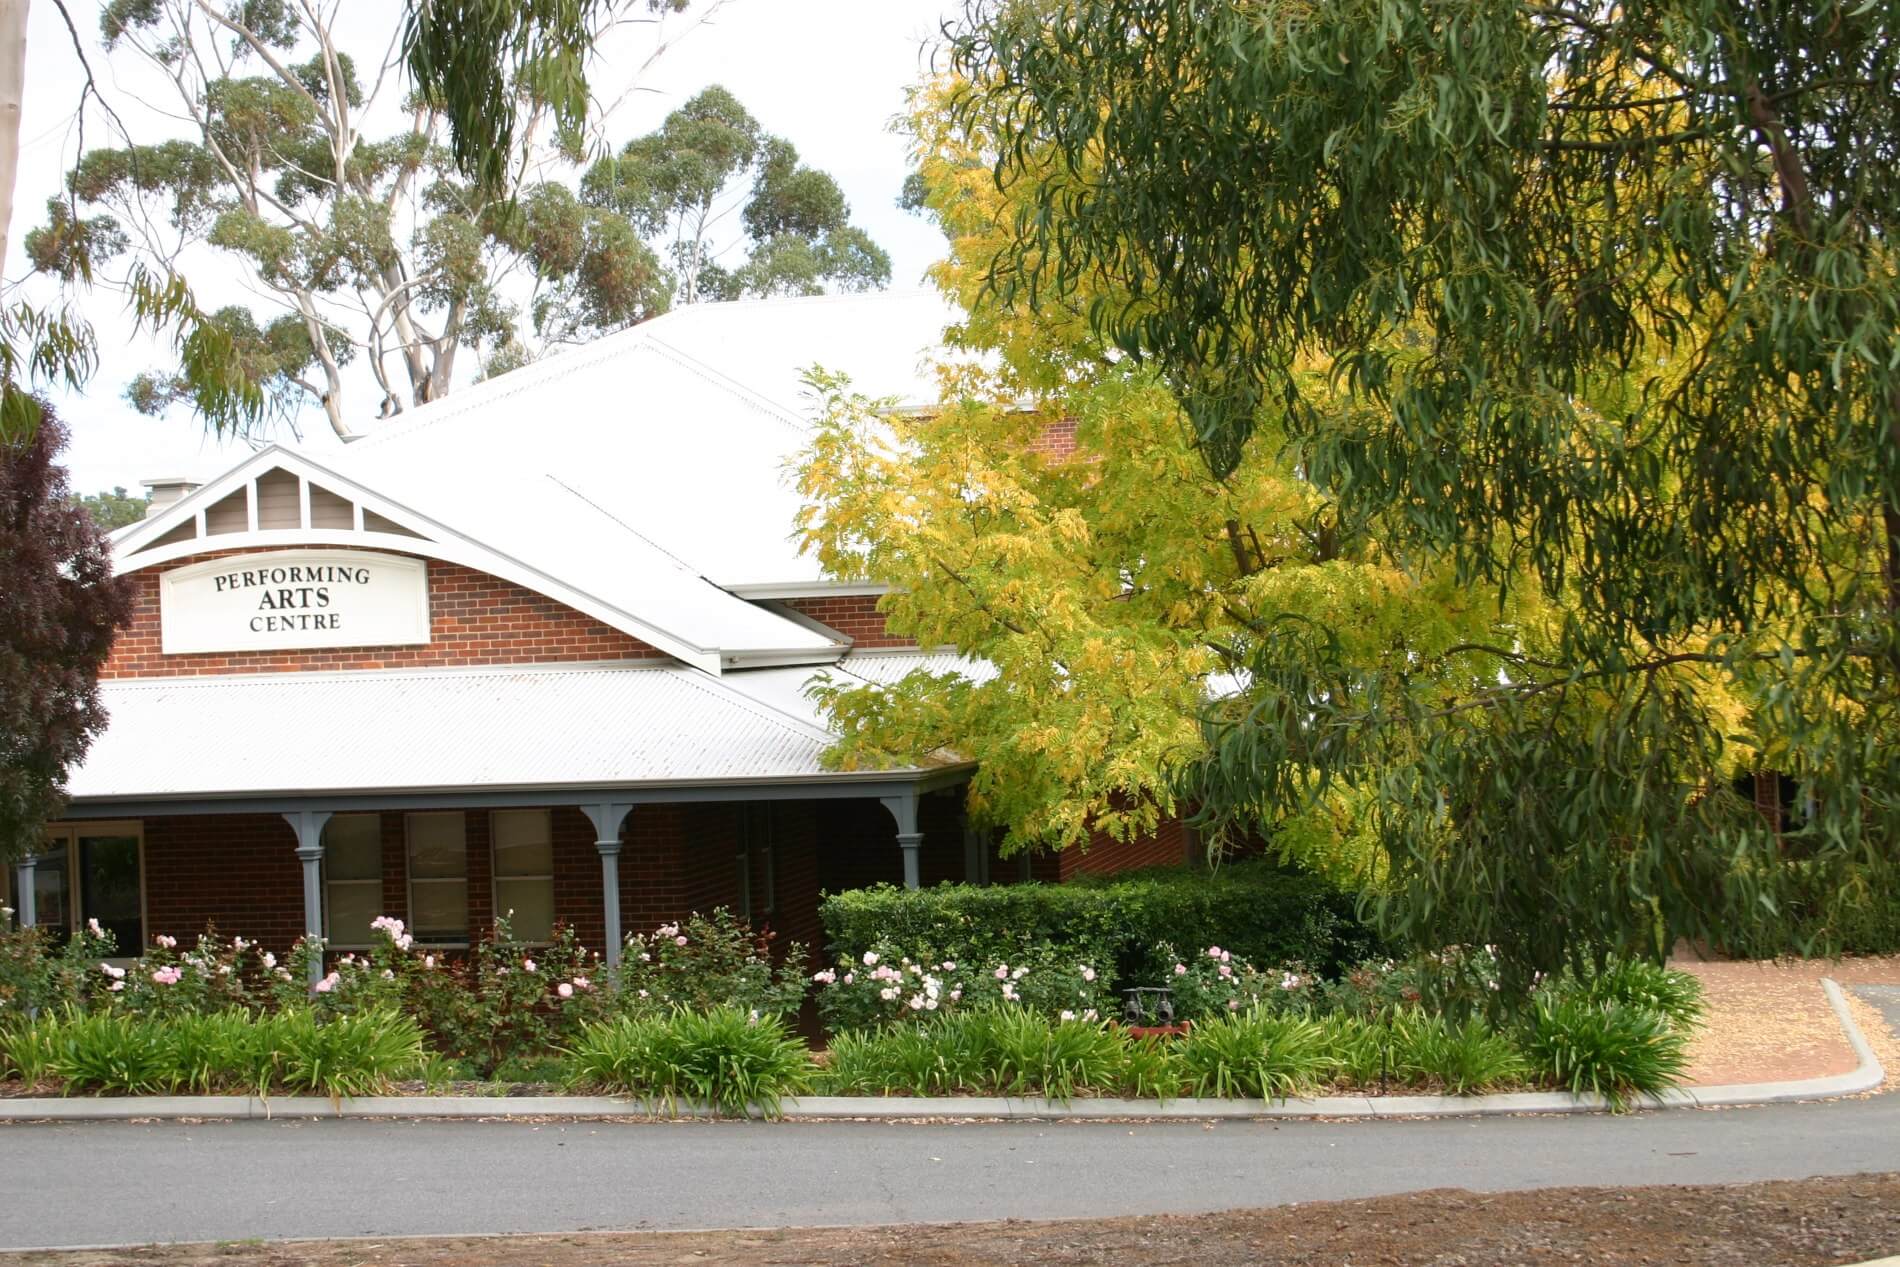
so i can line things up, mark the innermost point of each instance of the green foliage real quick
(1464, 1057)
(114, 509)
(884, 986)
(998, 1051)
(1611, 1050)
(397, 250)
(1643, 987)
(710, 961)
(1260, 913)
(1254, 1055)
(724, 1059)
(119, 1053)
(1598, 308)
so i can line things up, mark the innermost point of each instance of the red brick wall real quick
(1166, 847)
(474, 618)
(238, 871)
(854, 615)
(1057, 439)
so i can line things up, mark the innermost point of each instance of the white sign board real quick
(294, 598)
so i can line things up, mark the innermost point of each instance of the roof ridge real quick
(750, 703)
(778, 410)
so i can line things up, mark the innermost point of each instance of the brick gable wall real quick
(474, 618)
(854, 615)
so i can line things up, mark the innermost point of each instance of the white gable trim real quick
(436, 541)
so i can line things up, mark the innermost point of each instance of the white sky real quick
(827, 76)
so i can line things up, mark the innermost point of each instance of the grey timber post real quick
(903, 808)
(607, 818)
(28, 908)
(307, 824)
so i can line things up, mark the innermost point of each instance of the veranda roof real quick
(300, 735)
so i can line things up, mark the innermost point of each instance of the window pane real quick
(439, 909)
(51, 908)
(352, 907)
(437, 848)
(353, 847)
(532, 902)
(109, 888)
(523, 842)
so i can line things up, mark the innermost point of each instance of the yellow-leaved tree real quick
(1054, 522)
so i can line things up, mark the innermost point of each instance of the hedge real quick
(1261, 913)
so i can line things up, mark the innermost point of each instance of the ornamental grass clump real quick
(1464, 1057)
(1645, 986)
(1606, 1049)
(730, 1061)
(1029, 1055)
(1358, 1049)
(940, 1056)
(1254, 1055)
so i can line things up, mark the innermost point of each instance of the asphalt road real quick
(116, 1183)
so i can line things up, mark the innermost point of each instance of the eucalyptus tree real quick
(1607, 300)
(368, 237)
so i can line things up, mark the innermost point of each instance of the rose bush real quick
(884, 985)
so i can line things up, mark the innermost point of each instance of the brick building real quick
(539, 648)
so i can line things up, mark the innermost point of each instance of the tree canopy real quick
(394, 253)
(60, 605)
(1054, 523)
(1597, 302)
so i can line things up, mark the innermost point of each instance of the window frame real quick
(330, 942)
(411, 880)
(63, 837)
(495, 877)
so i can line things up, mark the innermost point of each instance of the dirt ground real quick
(1770, 1021)
(1804, 1223)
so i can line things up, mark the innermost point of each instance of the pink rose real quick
(565, 990)
(680, 940)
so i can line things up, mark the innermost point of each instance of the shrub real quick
(1856, 913)
(1465, 1057)
(39, 975)
(714, 960)
(1611, 1050)
(725, 1059)
(1647, 987)
(884, 986)
(212, 976)
(505, 1001)
(1260, 913)
(1458, 981)
(1213, 982)
(1253, 1054)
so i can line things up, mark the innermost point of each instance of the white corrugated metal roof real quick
(787, 690)
(681, 429)
(436, 729)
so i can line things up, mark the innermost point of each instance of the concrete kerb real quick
(1866, 1076)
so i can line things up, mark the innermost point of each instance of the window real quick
(93, 872)
(524, 871)
(352, 878)
(438, 876)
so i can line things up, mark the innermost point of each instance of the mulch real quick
(1803, 1223)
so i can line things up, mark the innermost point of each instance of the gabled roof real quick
(550, 540)
(681, 428)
